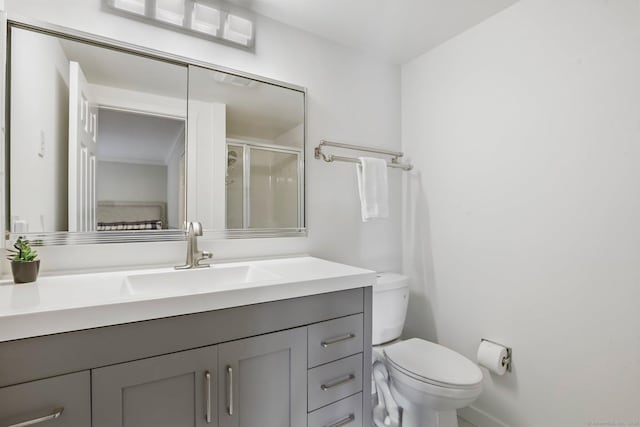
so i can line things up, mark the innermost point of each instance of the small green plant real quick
(22, 252)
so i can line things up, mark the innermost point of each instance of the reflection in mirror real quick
(96, 139)
(138, 175)
(247, 138)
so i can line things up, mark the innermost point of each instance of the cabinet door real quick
(63, 401)
(165, 391)
(263, 381)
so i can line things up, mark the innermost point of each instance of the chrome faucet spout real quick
(194, 256)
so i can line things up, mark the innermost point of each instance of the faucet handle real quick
(197, 228)
(203, 256)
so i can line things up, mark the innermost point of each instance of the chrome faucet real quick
(194, 257)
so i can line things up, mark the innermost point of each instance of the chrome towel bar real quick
(395, 155)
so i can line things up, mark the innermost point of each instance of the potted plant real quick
(24, 262)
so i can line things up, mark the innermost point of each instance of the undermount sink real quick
(197, 280)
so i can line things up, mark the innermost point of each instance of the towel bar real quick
(395, 155)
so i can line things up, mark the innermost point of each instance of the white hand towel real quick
(379, 411)
(373, 188)
(381, 379)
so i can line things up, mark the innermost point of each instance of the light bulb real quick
(205, 19)
(171, 11)
(238, 30)
(132, 6)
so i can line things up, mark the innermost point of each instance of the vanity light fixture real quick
(238, 30)
(131, 6)
(205, 19)
(212, 19)
(233, 80)
(170, 11)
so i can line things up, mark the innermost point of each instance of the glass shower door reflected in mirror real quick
(235, 188)
(273, 189)
(263, 187)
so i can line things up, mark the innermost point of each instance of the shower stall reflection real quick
(262, 188)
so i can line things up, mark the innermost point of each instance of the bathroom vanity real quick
(268, 343)
(271, 343)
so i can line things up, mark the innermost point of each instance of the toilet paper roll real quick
(491, 355)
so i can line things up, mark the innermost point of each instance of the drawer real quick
(334, 339)
(65, 398)
(346, 412)
(334, 381)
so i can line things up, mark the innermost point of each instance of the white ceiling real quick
(397, 30)
(108, 67)
(258, 110)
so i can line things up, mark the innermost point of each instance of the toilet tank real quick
(390, 300)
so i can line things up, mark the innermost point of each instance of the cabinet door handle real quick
(52, 416)
(343, 422)
(229, 390)
(345, 380)
(337, 340)
(207, 379)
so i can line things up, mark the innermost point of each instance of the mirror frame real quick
(7, 22)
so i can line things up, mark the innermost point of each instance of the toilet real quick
(428, 382)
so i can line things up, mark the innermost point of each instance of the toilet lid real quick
(433, 363)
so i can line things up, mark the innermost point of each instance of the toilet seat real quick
(433, 364)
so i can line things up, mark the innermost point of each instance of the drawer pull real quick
(229, 390)
(52, 416)
(343, 422)
(337, 340)
(207, 415)
(345, 380)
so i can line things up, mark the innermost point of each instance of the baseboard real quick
(479, 418)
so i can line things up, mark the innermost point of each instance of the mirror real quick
(248, 141)
(97, 138)
(109, 143)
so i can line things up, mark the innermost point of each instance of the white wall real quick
(522, 218)
(175, 187)
(352, 98)
(294, 137)
(39, 187)
(117, 181)
(206, 166)
(109, 96)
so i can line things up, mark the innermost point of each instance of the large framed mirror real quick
(108, 142)
(247, 138)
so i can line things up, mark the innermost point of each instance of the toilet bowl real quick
(428, 381)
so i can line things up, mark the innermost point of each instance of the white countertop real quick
(65, 303)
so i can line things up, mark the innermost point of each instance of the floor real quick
(464, 423)
(461, 421)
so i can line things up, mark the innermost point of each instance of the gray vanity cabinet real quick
(254, 382)
(165, 391)
(262, 380)
(288, 363)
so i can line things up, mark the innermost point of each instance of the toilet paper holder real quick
(506, 361)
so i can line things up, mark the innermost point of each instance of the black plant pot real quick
(25, 271)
